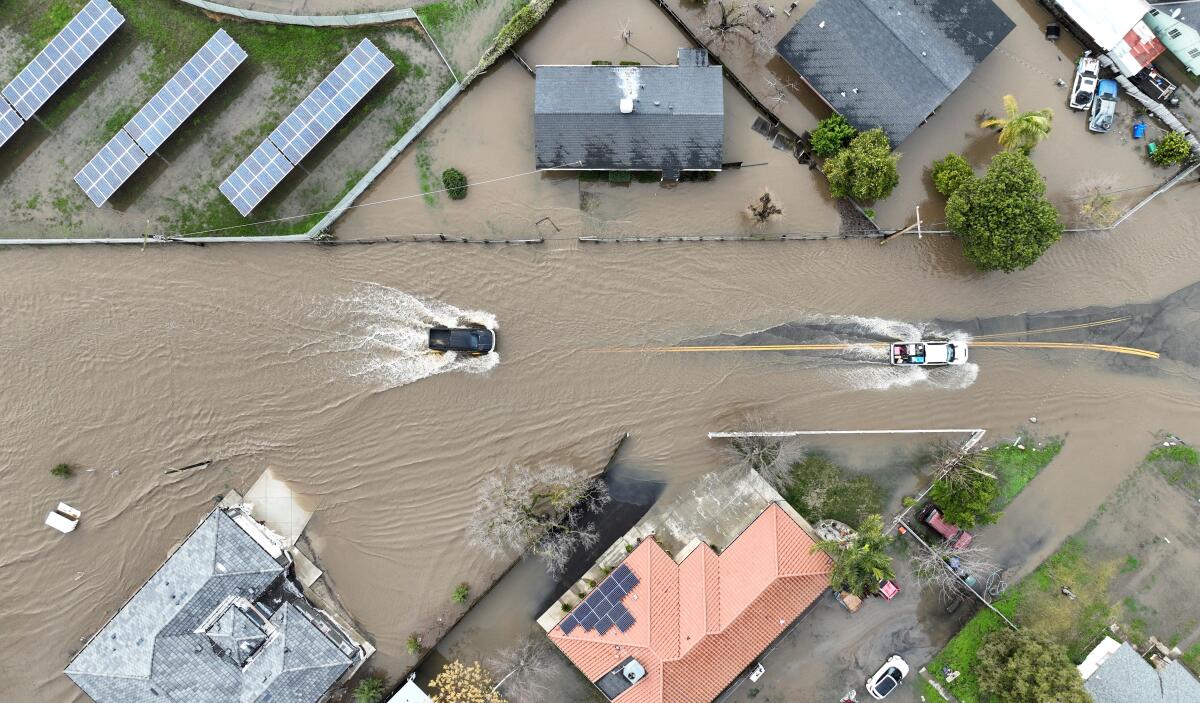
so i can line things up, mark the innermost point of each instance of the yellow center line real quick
(1063, 328)
(1133, 351)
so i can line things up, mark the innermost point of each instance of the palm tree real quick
(1021, 130)
(859, 566)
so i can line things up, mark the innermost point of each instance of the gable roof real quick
(677, 122)
(218, 622)
(1125, 676)
(701, 622)
(891, 63)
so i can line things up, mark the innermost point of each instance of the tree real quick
(950, 173)
(369, 690)
(525, 671)
(731, 22)
(967, 502)
(459, 683)
(859, 566)
(763, 209)
(1004, 219)
(455, 183)
(932, 567)
(1020, 131)
(865, 170)
(772, 457)
(1022, 667)
(831, 135)
(522, 509)
(1173, 148)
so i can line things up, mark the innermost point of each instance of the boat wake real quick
(387, 343)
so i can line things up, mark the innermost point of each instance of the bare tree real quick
(539, 510)
(763, 209)
(732, 22)
(954, 465)
(779, 91)
(932, 567)
(771, 457)
(1096, 206)
(524, 671)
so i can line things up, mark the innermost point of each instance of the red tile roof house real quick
(690, 628)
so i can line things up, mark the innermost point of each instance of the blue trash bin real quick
(1139, 130)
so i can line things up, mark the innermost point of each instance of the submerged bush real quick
(455, 183)
(1172, 149)
(62, 471)
(950, 173)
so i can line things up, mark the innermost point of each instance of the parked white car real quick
(888, 678)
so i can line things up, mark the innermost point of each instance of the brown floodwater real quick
(306, 360)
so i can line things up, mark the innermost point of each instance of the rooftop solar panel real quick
(10, 121)
(65, 53)
(317, 115)
(568, 624)
(108, 169)
(187, 89)
(588, 621)
(625, 621)
(255, 177)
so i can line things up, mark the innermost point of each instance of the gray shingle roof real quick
(1125, 677)
(215, 624)
(677, 123)
(891, 63)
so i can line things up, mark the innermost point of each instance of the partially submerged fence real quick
(356, 20)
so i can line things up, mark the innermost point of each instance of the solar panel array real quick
(160, 117)
(65, 53)
(312, 120)
(604, 608)
(10, 121)
(108, 169)
(187, 89)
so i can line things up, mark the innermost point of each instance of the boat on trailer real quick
(930, 352)
(1087, 77)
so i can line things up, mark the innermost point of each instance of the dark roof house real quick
(631, 118)
(1115, 673)
(891, 63)
(221, 621)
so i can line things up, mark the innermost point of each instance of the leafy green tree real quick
(859, 566)
(455, 183)
(369, 690)
(967, 501)
(1022, 667)
(831, 135)
(865, 170)
(951, 172)
(1021, 131)
(1172, 149)
(1004, 219)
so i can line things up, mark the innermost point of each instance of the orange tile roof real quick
(702, 622)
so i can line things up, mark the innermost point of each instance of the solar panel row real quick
(262, 170)
(160, 117)
(65, 53)
(604, 608)
(108, 169)
(10, 122)
(312, 120)
(187, 89)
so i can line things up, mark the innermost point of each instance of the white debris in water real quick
(389, 338)
(1033, 420)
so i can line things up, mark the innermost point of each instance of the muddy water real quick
(126, 362)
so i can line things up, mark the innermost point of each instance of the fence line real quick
(357, 20)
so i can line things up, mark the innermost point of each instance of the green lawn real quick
(1017, 467)
(959, 654)
(1179, 464)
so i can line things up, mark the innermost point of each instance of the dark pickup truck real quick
(468, 340)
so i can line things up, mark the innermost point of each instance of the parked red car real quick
(958, 539)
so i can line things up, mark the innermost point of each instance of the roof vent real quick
(626, 106)
(633, 671)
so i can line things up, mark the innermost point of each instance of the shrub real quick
(1022, 667)
(865, 170)
(601, 62)
(619, 177)
(455, 183)
(461, 592)
(1004, 219)
(967, 502)
(62, 471)
(631, 63)
(647, 176)
(1172, 149)
(369, 690)
(950, 173)
(831, 136)
(413, 644)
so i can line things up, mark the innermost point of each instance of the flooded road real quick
(125, 362)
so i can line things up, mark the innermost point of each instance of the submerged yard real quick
(175, 192)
